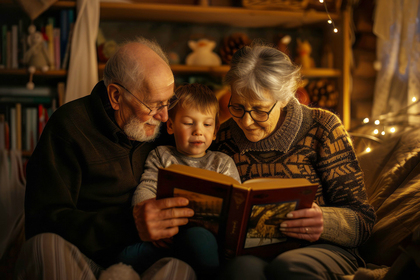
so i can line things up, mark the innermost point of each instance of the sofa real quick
(392, 179)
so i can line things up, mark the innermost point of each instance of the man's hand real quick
(305, 224)
(160, 219)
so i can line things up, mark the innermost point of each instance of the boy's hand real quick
(160, 219)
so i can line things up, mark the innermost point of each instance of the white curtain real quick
(397, 27)
(83, 68)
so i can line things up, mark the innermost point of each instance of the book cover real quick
(15, 40)
(49, 32)
(4, 46)
(64, 32)
(245, 218)
(57, 51)
(66, 57)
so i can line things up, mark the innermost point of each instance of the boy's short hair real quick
(198, 96)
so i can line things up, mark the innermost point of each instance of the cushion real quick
(392, 178)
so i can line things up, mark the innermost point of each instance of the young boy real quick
(194, 123)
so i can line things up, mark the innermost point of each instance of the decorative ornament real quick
(231, 44)
(36, 57)
(304, 50)
(323, 93)
(202, 54)
(283, 44)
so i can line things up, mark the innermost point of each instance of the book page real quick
(202, 173)
(276, 183)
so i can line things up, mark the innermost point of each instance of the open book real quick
(244, 217)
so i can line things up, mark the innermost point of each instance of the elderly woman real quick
(271, 134)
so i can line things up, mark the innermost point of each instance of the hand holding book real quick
(304, 224)
(246, 217)
(160, 219)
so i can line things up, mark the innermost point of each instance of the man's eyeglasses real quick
(171, 102)
(238, 111)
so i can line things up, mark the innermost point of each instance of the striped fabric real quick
(48, 256)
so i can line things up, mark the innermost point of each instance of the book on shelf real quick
(23, 91)
(4, 46)
(245, 218)
(70, 27)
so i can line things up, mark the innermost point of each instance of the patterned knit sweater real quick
(311, 144)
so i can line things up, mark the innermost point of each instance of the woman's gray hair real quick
(259, 68)
(122, 68)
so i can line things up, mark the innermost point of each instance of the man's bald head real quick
(133, 60)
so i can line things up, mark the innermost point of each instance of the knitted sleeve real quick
(148, 182)
(349, 218)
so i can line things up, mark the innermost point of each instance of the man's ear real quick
(169, 126)
(115, 96)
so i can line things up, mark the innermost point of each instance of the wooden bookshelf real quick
(228, 16)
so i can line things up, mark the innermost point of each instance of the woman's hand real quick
(306, 224)
(160, 219)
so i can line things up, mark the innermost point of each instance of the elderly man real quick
(86, 166)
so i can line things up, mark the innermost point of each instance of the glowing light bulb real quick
(321, 1)
(414, 99)
(335, 30)
(377, 122)
(383, 132)
(392, 129)
(365, 120)
(375, 131)
(368, 150)
(329, 21)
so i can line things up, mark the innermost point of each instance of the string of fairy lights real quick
(388, 123)
(330, 20)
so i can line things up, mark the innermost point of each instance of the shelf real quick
(179, 69)
(24, 72)
(232, 16)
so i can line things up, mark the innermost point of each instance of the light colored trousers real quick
(48, 256)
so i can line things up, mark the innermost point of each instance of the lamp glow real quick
(383, 132)
(392, 129)
(329, 21)
(375, 131)
(377, 122)
(335, 30)
(368, 150)
(321, 1)
(414, 99)
(365, 120)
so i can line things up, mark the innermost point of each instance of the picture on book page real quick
(207, 209)
(264, 224)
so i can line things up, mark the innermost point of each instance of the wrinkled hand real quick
(160, 219)
(306, 224)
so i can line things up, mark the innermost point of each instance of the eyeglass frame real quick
(170, 105)
(249, 111)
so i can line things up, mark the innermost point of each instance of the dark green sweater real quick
(81, 178)
(311, 144)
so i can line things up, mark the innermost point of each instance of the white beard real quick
(134, 129)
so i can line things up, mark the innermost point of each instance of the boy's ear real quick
(169, 126)
(216, 129)
(115, 96)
